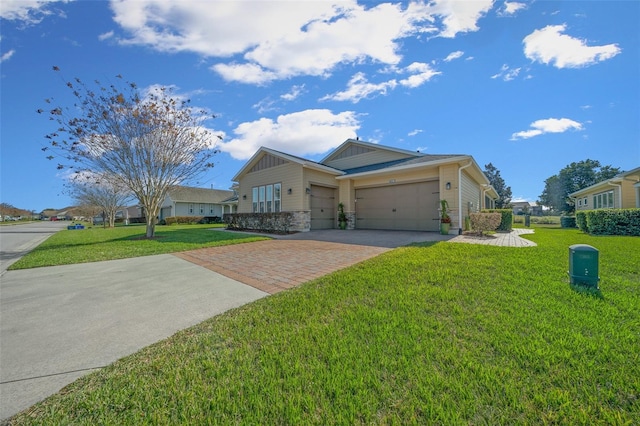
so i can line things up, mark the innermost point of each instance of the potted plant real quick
(445, 220)
(342, 217)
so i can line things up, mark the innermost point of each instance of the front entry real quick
(323, 207)
(407, 207)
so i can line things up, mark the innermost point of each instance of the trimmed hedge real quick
(609, 222)
(183, 220)
(568, 222)
(506, 221)
(279, 223)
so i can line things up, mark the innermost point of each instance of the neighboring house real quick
(198, 202)
(381, 187)
(620, 192)
(521, 207)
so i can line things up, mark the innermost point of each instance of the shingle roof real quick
(426, 158)
(198, 195)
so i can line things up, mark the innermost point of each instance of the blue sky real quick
(527, 86)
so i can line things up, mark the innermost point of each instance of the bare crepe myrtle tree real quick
(146, 141)
(99, 194)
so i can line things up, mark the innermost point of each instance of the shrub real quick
(568, 222)
(482, 222)
(506, 218)
(183, 220)
(614, 222)
(581, 221)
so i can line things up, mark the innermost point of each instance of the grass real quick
(97, 244)
(427, 334)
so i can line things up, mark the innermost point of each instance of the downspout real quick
(460, 196)
(619, 185)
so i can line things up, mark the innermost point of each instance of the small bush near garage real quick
(610, 222)
(483, 222)
(506, 220)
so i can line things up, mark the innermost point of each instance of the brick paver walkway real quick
(511, 239)
(276, 265)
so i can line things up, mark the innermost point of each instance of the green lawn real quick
(429, 334)
(97, 243)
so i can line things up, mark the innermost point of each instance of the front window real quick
(266, 198)
(603, 200)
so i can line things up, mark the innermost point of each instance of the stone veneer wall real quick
(301, 221)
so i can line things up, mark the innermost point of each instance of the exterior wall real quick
(449, 174)
(289, 175)
(372, 157)
(471, 195)
(629, 200)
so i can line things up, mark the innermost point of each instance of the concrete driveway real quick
(60, 323)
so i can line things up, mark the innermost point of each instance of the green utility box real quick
(583, 265)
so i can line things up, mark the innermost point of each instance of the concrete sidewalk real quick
(60, 323)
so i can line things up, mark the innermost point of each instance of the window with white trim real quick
(266, 198)
(190, 208)
(604, 200)
(201, 208)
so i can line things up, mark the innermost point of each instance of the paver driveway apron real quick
(277, 265)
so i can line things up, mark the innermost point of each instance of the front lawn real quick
(429, 334)
(97, 243)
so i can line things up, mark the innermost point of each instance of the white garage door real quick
(409, 207)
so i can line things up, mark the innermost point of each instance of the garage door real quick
(323, 207)
(410, 207)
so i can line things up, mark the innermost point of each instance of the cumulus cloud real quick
(29, 12)
(454, 55)
(7, 56)
(510, 8)
(295, 91)
(359, 87)
(289, 39)
(460, 16)
(304, 133)
(550, 46)
(106, 36)
(549, 125)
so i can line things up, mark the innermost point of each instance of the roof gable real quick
(351, 147)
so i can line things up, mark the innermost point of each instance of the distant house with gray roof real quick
(198, 202)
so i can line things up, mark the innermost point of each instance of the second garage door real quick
(409, 207)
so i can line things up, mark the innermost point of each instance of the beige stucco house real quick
(620, 192)
(198, 202)
(381, 187)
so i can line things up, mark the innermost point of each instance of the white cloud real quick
(287, 38)
(295, 91)
(550, 46)
(454, 55)
(359, 87)
(511, 8)
(415, 132)
(506, 73)
(7, 56)
(460, 16)
(29, 12)
(303, 133)
(106, 36)
(549, 125)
